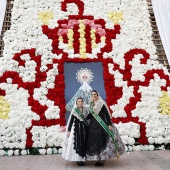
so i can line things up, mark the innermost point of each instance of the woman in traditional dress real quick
(103, 140)
(74, 146)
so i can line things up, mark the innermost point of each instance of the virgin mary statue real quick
(84, 76)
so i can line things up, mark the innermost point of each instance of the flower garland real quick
(32, 102)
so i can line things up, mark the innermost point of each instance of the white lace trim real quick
(85, 112)
(69, 152)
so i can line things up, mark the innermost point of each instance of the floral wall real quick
(48, 33)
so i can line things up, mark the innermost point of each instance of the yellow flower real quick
(82, 39)
(83, 55)
(45, 16)
(93, 37)
(164, 104)
(103, 38)
(115, 16)
(70, 38)
(60, 38)
(4, 108)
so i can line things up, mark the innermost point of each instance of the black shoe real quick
(80, 163)
(99, 163)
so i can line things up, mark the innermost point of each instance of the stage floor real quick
(143, 160)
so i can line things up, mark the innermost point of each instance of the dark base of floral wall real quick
(157, 146)
(151, 147)
(58, 150)
(30, 151)
(36, 151)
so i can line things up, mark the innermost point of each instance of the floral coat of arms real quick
(46, 34)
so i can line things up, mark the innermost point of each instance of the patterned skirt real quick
(74, 146)
(100, 146)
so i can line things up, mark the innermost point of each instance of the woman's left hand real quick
(110, 127)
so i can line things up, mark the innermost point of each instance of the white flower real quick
(131, 141)
(50, 85)
(138, 148)
(52, 112)
(2, 152)
(49, 151)
(60, 150)
(42, 151)
(10, 152)
(55, 151)
(151, 148)
(159, 140)
(23, 152)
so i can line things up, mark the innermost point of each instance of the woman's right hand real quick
(68, 134)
